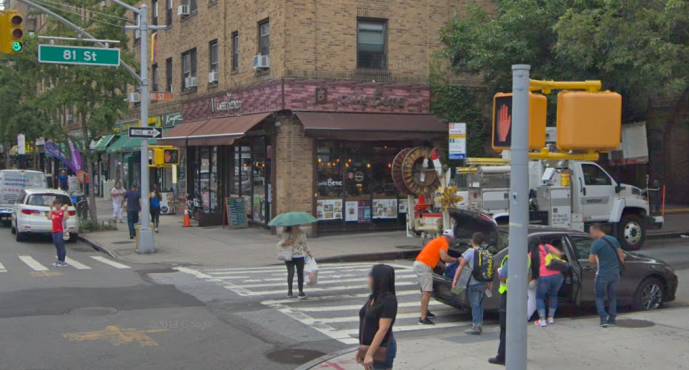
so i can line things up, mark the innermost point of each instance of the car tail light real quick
(72, 213)
(31, 212)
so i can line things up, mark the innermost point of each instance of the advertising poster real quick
(458, 141)
(384, 208)
(351, 211)
(364, 212)
(329, 209)
(403, 205)
(167, 204)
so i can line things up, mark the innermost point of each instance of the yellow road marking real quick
(117, 336)
(46, 273)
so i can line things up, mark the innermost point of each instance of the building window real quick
(189, 70)
(371, 46)
(170, 5)
(154, 8)
(192, 4)
(154, 77)
(168, 74)
(235, 51)
(213, 56)
(264, 37)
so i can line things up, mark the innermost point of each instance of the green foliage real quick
(89, 226)
(460, 104)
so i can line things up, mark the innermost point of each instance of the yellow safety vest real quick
(503, 284)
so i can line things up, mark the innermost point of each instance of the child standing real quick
(58, 215)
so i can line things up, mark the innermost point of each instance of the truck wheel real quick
(631, 232)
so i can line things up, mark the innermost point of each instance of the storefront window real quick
(206, 184)
(252, 166)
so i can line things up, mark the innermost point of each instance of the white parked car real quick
(29, 213)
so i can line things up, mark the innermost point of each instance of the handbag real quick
(380, 355)
(623, 268)
(285, 254)
(555, 263)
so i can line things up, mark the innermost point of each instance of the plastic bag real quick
(311, 272)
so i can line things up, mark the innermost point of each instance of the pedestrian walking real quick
(535, 265)
(155, 197)
(549, 284)
(377, 345)
(608, 255)
(133, 199)
(476, 290)
(429, 257)
(295, 239)
(500, 358)
(58, 215)
(117, 194)
(63, 179)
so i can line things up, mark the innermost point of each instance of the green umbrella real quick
(292, 219)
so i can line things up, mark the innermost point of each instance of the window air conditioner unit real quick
(190, 82)
(261, 61)
(212, 77)
(134, 97)
(183, 10)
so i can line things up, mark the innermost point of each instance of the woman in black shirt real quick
(376, 319)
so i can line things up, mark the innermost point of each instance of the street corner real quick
(339, 360)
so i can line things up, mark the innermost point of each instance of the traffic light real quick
(502, 121)
(11, 32)
(165, 156)
(589, 120)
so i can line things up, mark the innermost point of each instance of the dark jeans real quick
(155, 216)
(299, 263)
(503, 327)
(607, 284)
(59, 243)
(132, 219)
(392, 353)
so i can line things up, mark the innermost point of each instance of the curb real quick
(667, 235)
(97, 247)
(315, 362)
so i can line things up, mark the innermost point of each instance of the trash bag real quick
(311, 272)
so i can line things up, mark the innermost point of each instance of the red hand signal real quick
(504, 123)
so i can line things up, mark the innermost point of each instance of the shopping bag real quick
(463, 281)
(311, 272)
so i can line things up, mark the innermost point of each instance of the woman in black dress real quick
(376, 319)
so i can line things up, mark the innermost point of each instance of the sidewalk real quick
(216, 246)
(642, 340)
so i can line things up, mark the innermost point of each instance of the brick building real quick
(297, 106)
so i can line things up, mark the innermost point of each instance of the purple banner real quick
(54, 150)
(74, 156)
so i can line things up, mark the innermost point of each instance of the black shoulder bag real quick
(614, 250)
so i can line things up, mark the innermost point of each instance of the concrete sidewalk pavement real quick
(642, 340)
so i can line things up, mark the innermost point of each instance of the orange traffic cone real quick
(187, 221)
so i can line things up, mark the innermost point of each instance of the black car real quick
(646, 284)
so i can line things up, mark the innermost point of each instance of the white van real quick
(12, 182)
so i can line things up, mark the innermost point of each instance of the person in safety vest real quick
(499, 359)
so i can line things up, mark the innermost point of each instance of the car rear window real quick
(46, 200)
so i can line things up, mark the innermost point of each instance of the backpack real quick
(482, 265)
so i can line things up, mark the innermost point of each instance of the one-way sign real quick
(150, 132)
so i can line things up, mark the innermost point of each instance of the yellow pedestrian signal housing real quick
(11, 32)
(502, 121)
(165, 156)
(589, 120)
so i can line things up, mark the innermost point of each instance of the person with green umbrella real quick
(294, 238)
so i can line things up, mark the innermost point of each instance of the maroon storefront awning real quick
(223, 131)
(371, 126)
(177, 136)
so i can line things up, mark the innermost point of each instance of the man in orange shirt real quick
(430, 256)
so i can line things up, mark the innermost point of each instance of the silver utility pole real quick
(519, 221)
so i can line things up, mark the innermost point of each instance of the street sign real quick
(160, 96)
(150, 132)
(458, 141)
(78, 55)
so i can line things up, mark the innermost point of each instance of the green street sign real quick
(78, 55)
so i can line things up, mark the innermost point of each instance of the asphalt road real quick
(97, 314)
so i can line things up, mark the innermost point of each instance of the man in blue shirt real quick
(63, 180)
(608, 255)
(133, 200)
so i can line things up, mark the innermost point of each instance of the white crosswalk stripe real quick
(31, 262)
(17, 263)
(109, 262)
(77, 265)
(333, 305)
(2, 268)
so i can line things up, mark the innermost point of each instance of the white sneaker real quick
(541, 322)
(551, 321)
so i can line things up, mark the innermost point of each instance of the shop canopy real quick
(218, 131)
(372, 126)
(118, 144)
(104, 142)
(126, 144)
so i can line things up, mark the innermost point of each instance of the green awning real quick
(118, 144)
(126, 144)
(104, 142)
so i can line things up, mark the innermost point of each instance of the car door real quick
(581, 246)
(597, 192)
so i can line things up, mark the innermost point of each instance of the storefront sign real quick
(458, 141)
(359, 176)
(235, 209)
(171, 119)
(167, 203)
(124, 126)
(377, 99)
(225, 105)
(330, 183)
(321, 95)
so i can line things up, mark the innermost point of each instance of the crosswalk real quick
(29, 263)
(333, 305)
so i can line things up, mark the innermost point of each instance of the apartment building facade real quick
(296, 105)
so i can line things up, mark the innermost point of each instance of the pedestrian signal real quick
(502, 121)
(165, 156)
(589, 120)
